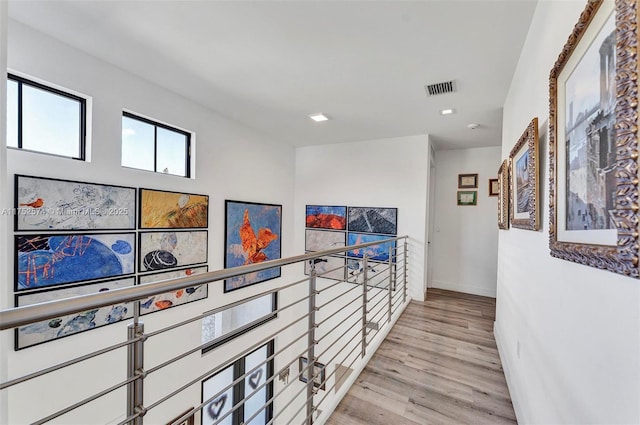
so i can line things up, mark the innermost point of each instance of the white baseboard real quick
(511, 385)
(467, 289)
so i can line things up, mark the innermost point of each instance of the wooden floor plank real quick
(438, 365)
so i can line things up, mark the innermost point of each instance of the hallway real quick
(438, 365)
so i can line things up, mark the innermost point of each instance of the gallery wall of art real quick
(223, 152)
(568, 334)
(366, 174)
(465, 239)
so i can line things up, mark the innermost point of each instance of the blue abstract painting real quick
(47, 330)
(252, 235)
(378, 252)
(50, 260)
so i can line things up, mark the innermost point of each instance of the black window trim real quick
(238, 368)
(83, 113)
(157, 124)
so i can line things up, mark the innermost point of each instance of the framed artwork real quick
(494, 187)
(50, 260)
(503, 195)
(377, 273)
(378, 252)
(318, 372)
(593, 141)
(373, 220)
(172, 210)
(467, 197)
(253, 234)
(167, 250)
(46, 204)
(525, 195)
(320, 240)
(48, 330)
(327, 267)
(172, 299)
(190, 420)
(467, 181)
(326, 217)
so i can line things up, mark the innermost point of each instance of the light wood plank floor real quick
(438, 365)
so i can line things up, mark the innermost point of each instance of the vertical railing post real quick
(391, 253)
(365, 267)
(404, 283)
(311, 342)
(135, 368)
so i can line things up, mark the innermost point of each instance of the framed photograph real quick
(50, 204)
(326, 217)
(168, 250)
(320, 240)
(51, 260)
(48, 330)
(377, 273)
(253, 234)
(373, 220)
(525, 195)
(318, 372)
(172, 210)
(593, 141)
(327, 267)
(172, 299)
(190, 420)
(494, 187)
(467, 197)
(467, 181)
(378, 252)
(503, 195)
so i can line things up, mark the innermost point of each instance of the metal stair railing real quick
(336, 321)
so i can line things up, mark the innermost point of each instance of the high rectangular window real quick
(223, 326)
(45, 119)
(152, 146)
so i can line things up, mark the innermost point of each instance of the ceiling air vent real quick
(440, 88)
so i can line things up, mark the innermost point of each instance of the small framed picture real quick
(494, 187)
(318, 372)
(467, 181)
(467, 197)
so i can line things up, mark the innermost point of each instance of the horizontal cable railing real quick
(323, 331)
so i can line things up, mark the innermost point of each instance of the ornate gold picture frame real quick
(593, 141)
(524, 205)
(503, 195)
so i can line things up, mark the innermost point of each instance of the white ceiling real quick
(268, 64)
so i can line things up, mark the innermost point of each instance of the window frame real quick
(168, 127)
(44, 87)
(238, 368)
(229, 336)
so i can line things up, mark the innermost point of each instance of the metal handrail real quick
(20, 316)
(375, 299)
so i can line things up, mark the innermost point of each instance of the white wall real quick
(569, 335)
(232, 162)
(465, 239)
(377, 173)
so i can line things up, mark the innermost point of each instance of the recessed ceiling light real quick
(319, 117)
(448, 111)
